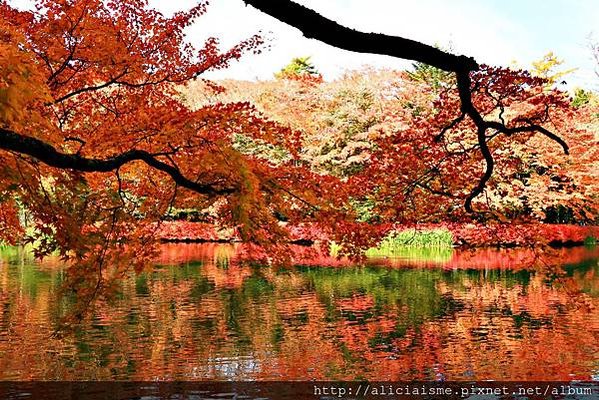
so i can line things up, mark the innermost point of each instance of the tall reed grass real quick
(436, 243)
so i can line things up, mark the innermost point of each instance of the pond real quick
(201, 314)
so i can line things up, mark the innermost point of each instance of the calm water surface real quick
(202, 315)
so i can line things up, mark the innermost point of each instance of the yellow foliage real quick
(546, 68)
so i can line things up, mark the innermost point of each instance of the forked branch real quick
(316, 26)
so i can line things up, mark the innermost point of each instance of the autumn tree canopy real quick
(98, 144)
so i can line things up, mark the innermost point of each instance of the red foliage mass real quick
(474, 235)
(520, 235)
(184, 231)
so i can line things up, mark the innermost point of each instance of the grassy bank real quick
(430, 244)
(396, 242)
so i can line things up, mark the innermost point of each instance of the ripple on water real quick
(226, 321)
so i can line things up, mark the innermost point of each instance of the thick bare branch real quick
(530, 128)
(489, 165)
(314, 25)
(48, 155)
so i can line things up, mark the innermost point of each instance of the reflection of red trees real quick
(513, 259)
(500, 331)
(173, 254)
(485, 258)
(309, 347)
(356, 304)
(230, 278)
(547, 343)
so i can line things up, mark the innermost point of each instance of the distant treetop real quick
(298, 67)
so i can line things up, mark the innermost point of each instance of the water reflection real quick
(202, 315)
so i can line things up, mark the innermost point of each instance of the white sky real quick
(493, 31)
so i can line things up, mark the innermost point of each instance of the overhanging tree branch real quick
(316, 26)
(47, 154)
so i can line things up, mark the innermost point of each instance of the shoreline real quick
(464, 235)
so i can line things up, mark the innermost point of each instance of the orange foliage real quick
(99, 145)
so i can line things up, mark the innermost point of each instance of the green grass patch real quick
(397, 242)
(430, 245)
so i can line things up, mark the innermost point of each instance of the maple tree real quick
(98, 144)
(346, 122)
(87, 88)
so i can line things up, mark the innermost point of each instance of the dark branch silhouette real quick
(316, 26)
(47, 154)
